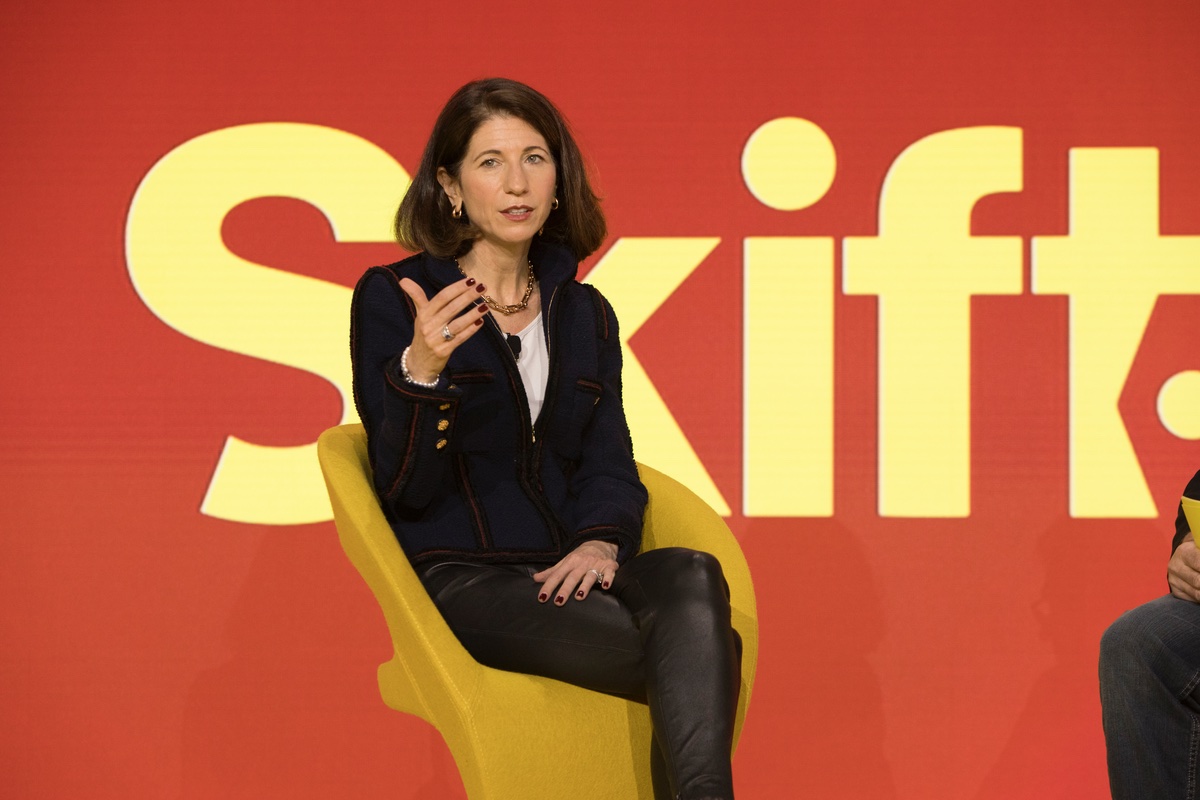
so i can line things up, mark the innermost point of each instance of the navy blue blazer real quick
(459, 469)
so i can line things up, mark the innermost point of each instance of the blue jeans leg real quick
(1149, 671)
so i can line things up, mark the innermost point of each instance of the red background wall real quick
(153, 651)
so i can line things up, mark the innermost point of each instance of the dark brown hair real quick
(423, 221)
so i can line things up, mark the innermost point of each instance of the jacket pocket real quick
(475, 423)
(573, 418)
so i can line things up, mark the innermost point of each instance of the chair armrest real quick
(677, 517)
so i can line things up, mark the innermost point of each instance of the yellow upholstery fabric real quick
(514, 735)
(1191, 512)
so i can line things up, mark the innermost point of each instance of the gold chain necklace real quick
(515, 307)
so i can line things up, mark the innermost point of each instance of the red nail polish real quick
(542, 597)
(479, 321)
(579, 594)
(558, 601)
(481, 288)
(470, 281)
(482, 308)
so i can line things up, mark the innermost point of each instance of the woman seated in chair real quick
(489, 382)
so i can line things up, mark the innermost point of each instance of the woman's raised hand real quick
(438, 316)
(591, 563)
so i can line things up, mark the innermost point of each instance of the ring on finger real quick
(599, 575)
(446, 334)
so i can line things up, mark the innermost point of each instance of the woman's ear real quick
(450, 186)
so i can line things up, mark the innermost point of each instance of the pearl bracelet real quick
(408, 376)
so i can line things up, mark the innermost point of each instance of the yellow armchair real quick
(489, 718)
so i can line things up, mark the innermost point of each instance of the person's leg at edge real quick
(1149, 671)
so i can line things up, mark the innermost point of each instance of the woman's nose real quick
(515, 182)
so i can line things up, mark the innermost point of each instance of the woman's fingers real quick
(441, 326)
(414, 291)
(451, 300)
(567, 587)
(435, 312)
(587, 583)
(550, 579)
(574, 576)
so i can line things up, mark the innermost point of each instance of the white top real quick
(534, 365)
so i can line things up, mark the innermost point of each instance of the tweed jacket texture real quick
(459, 469)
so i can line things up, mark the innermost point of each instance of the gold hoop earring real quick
(554, 205)
(456, 212)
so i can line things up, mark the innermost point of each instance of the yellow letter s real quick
(192, 282)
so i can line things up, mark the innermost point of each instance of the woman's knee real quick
(695, 571)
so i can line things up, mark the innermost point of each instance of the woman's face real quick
(507, 181)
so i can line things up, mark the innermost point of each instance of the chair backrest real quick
(433, 658)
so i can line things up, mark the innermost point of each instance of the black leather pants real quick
(660, 634)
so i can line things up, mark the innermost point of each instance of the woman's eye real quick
(488, 162)
(535, 158)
